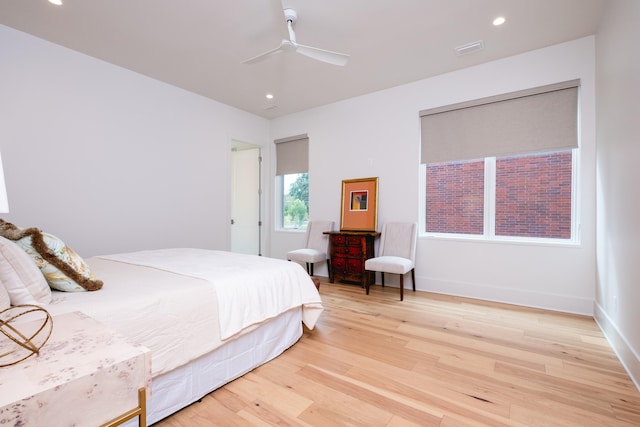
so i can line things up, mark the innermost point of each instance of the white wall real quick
(618, 278)
(110, 160)
(379, 135)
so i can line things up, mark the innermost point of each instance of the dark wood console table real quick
(348, 250)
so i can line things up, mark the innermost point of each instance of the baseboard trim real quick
(562, 303)
(627, 356)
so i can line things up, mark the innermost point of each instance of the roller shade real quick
(292, 155)
(529, 121)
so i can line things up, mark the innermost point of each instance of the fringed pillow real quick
(62, 267)
(56, 278)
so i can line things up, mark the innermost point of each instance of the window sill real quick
(556, 243)
(290, 230)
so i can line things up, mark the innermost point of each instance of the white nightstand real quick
(85, 375)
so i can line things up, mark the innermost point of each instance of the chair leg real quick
(401, 287)
(382, 277)
(413, 278)
(311, 270)
(366, 281)
(329, 267)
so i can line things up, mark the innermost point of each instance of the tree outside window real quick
(295, 210)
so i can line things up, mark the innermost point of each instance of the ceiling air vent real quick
(469, 48)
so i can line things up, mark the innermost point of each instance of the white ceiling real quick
(199, 45)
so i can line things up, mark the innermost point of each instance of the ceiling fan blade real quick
(323, 55)
(264, 55)
(327, 56)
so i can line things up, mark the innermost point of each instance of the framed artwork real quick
(359, 204)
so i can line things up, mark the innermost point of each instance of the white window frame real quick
(279, 202)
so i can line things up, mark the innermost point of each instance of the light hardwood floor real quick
(431, 360)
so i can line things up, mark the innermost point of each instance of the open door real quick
(246, 191)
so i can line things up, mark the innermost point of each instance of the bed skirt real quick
(186, 384)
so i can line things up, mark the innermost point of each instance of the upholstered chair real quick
(316, 246)
(397, 253)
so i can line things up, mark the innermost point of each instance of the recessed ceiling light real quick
(269, 96)
(56, 2)
(499, 21)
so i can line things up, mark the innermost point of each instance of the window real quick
(525, 196)
(455, 197)
(295, 200)
(292, 183)
(534, 195)
(503, 167)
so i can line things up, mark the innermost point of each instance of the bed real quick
(208, 317)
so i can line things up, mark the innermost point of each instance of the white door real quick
(245, 199)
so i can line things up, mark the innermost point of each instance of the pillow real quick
(56, 278)
(5, 302)
(21, 277)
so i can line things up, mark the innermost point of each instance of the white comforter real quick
(250, 288)
(183, 315)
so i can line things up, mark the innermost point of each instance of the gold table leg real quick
(140, 411)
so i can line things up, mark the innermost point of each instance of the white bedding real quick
(176, 315)
(250, 288)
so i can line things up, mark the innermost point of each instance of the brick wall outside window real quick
(455, 197)
(533, 196)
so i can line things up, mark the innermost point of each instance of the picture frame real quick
(359, 211)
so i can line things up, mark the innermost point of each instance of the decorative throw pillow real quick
(60, 264)
(5, 302)
(54, 276)
(21, 277)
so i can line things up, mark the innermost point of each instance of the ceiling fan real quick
(292, 45)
